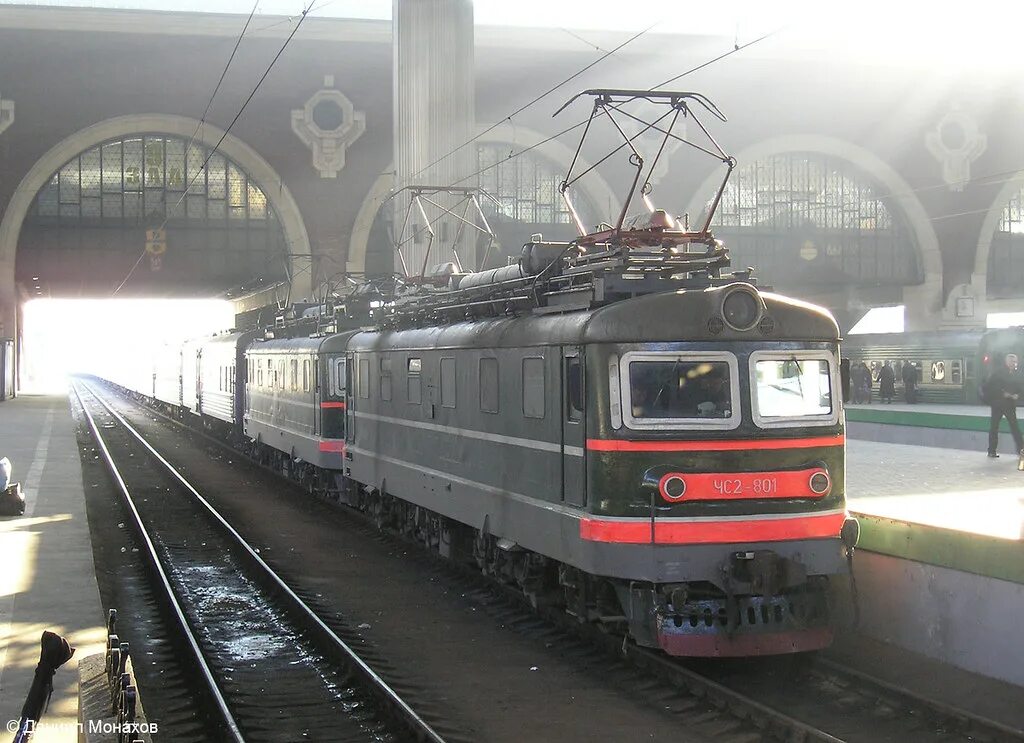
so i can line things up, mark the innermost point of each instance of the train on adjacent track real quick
(952, 365)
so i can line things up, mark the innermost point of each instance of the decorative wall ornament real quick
(956, 142)
(6, 113)
(328, 124)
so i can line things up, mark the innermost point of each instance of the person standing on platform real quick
(886, 383)
(866, 380)
(910, 382)
(1002, 390)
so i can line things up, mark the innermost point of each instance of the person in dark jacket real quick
(910, 382)
(1002, 390)
(886, 383)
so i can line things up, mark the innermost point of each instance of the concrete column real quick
(434, 114)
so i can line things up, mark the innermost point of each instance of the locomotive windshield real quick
(680, 388)
(792, 387)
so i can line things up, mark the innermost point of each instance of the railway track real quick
(273, 669)
(737, 701)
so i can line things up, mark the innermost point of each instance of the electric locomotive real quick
(618, 426)
(667, 462)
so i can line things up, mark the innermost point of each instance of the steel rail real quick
(913, 698)
(408, 716)
(207, 673)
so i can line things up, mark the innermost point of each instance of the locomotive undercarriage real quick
(760, 604)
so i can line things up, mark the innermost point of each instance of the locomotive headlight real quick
(741, 309)
(672, 487)
(820, 483)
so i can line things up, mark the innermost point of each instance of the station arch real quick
(257, 168)
(1002, 231)
(923, 300)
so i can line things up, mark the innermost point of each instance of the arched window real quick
(1006, 257)
(144, 178)
(809, 218)
(526, 187)
(92, 219)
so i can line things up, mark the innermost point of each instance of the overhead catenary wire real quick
(535, 100)
(579, 124)
(512, 155)
(223, 74)
(213, 151)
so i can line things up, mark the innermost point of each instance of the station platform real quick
(47, 578)
(927, 424)
(940, 561)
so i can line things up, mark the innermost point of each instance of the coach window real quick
(364, 378)
(413, 369)
(533, 387)
(385, 378)
(305, 375)
(489, 385)
(573, 388)
(259, 372)
(294, 375)
(448, 382)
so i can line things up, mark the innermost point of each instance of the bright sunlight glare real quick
(880, 320)
(1004, 319)
(112, 338)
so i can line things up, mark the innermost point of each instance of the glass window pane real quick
(155, 203)
(257, 203)
(788, 388)
(154, 163)
(132, 205)
(364, 378)
(112, 206)
(91, 176)
(47, 199)
(133, 165)
(573, 389)
(195, 207)
(91, 207)
(680, 389)
(112, 168)
(217, 177)
(69, 183)
(175, 177)
(413, 384)
(533, 387)
(195, 172)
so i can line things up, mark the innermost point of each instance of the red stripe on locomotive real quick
(639, 531)
(730, 445)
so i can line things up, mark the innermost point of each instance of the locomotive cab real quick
(717, 440)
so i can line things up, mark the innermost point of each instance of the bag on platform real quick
(12, 500)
